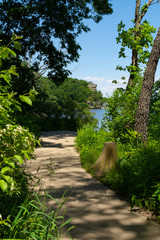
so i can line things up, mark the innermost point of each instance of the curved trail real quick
(98, 214)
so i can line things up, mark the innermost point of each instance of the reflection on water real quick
(99, 114)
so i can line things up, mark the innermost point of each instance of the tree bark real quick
(142, 115)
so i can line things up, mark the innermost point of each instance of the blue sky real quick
(99, 54)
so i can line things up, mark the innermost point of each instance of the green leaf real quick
(12, 70)
(5, 169)
(5, 53)
(6, 78)
(12, 164)
(19, 158)
(27, 155)
(12, 52)
(25, 99)
(18, 107)
(17, 45)
(114, 81)
(32, 97)
(8, 178)
(33, 91)
(3, 185)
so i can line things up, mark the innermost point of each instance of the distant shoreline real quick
(95, 108)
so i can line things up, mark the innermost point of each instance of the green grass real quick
(35, 220)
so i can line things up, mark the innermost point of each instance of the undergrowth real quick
(36, 220)
(90, 143)
(137, 174)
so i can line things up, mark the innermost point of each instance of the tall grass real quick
(35, 220)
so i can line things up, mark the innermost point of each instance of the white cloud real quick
(109, 81)
(93, 79)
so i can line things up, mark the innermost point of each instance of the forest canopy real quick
(49, 29)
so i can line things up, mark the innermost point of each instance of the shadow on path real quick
(97, 212)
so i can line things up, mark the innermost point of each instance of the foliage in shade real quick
(17, 144)
(49, 29)
(61, 107)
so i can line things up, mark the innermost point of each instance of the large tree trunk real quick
(142, 115)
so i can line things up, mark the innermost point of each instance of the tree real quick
(49, 29)
(142, 115)
(59, 107)
(121, 108)
(137, 38)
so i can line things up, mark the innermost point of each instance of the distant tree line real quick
(63, 107)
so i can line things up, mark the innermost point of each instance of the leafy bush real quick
(16, 145)
(29, 121)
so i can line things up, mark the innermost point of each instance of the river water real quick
(99, 114)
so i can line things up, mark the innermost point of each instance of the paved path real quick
(98, 214)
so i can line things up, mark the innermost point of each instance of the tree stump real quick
(106, 161)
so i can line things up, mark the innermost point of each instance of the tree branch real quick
(147, 6)
(155, 2)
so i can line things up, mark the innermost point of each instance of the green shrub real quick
(16, 145)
